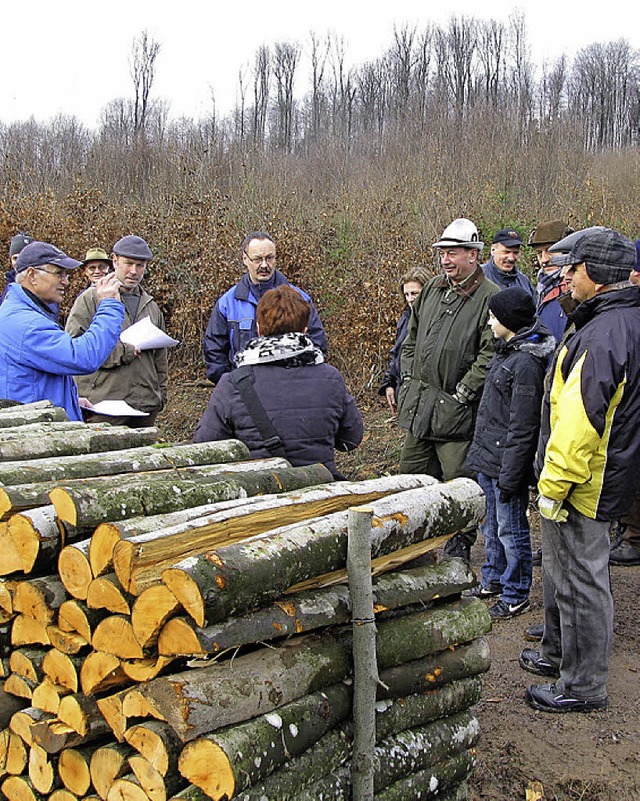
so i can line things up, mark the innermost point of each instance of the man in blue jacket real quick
(502, 267)
(37, 358)
(233, 320)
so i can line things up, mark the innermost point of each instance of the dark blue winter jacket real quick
(233, 324)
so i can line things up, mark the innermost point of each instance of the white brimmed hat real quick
(461, 233)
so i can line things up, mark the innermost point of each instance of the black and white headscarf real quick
(287, 350)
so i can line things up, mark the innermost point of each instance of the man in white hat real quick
(444, 363)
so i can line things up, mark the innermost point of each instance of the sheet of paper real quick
(116, 408)
(144, 335)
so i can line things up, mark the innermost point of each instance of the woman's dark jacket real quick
(307, 404)
(508, 421)
(392, 376)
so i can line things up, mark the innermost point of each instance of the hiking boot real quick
(623, 553)
(494, 588)
(548, 698)
(534, 662)
(503, 610)
(458, 546)
(534, 633)
(536, 558)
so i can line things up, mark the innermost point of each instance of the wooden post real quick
(365, 669)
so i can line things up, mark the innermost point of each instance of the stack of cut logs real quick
(175, 622)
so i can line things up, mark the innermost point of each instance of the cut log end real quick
(206, 765)
(187, 592)
(64, 505)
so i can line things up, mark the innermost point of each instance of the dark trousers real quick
(578, 606)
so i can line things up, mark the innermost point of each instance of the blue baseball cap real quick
(38, 253)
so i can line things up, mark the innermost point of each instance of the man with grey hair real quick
(37, 358)
(444, 363)
(233, 320)
(588, 459)
(137, 377)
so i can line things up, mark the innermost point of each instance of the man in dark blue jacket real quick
(233, 320)
(502, 267)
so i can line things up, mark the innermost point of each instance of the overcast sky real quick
(71, 56)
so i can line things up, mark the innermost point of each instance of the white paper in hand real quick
(116, 408)
(144, 335)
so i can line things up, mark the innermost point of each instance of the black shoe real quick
(534, 633)
(458, 546)
(494, 588)
(534, 662)
(622, 553)
(548, 698)
(536, 559)
(503, 610)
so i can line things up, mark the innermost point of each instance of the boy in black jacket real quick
(504, 444)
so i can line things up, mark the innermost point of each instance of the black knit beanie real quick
(513, 308)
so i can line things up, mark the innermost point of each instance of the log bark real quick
(39, 598)
(86, 508)
(9, 705)
(365, 670)
(134, 460)
(195, 702)
(74, 616)
(108, 763)
(37, 538)
(22, 723)
(28, 662)
(441, 777)
(158, 744)
(16, 497)
(227, 762)
(54, 440)
(22, 417)
(146, 554)
(234, 578)
(53, 736)
(81, 713)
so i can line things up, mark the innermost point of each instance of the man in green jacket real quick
(137, 377)
(444, 363)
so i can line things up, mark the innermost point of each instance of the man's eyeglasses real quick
(259, 259)
(61, 273)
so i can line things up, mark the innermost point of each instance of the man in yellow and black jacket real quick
(587, 463)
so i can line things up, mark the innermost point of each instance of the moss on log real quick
(235, 578)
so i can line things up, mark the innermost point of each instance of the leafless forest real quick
(354, 176)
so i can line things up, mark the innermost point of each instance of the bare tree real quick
(261, 82)
(319, 56)
(142, 65)
(285, 61)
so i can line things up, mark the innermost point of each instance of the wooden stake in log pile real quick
(96, 650)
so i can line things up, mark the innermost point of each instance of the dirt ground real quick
(594, 757)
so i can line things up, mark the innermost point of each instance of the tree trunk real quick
(195, 702)
(37, 442)
(148, 553)
(37, 538)
(22, 417)
(151, 610)
(235, 578)
(158, 743)
(443, 776)
(85, 508)
(365, 670)
(135, 460)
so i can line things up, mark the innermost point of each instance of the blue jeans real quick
(507, 542)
